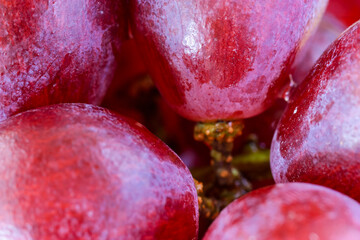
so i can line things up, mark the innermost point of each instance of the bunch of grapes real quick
(192, 119)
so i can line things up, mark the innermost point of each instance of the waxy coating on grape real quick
(292, 211)
(75, 171)
(222, 59)
(57, 51)
(318, 137)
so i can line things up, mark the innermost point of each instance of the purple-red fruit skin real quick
(75, 171)
(347, 11)
(57, 51)
(292, 211)
(318, 137)
(221, 59)
(328, 31)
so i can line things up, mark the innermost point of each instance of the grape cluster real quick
(250, 105)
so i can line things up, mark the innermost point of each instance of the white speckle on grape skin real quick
(295, 111)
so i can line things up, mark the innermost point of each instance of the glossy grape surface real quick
(221, 59)
(57, 51)
(318, 137)
(75, 171)
(339, 15)
(292, 211)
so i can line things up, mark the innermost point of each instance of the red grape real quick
(75, 171)
(338, 16)
(218, 59)
(57, 51)
(329, 30)
(348, 11)
(293, 211)
(318, 137)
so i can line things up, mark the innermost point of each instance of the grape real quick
(292, 211)
(57, 51)
(218, 59)
(348, 11)
(338, 16)
(317, 139)
(75, 171)
(328, 31)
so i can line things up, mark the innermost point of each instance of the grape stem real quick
(219, 136)
(208, 207)
(229, 183)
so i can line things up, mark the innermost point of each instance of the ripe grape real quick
(338, 16)
(75, 171)
(292, 211)
(57, 51)
(221, 59)
(318, 137)
(328, 31)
